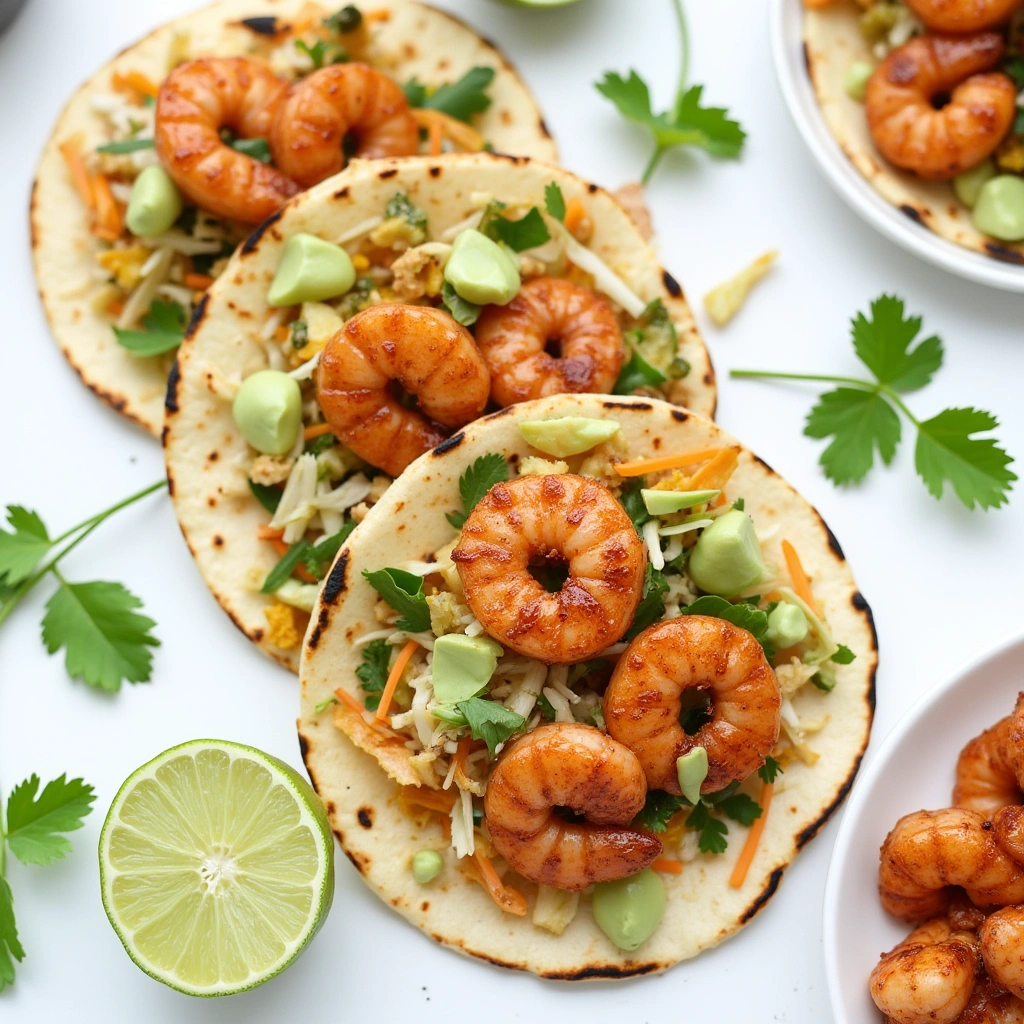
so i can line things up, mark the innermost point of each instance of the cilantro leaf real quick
(882, 344)
(547, 712)
(490, 721)
(526, 233)
(554, 201)
(268, 497)
(658, 808)
(741, 808)
(858, 422)
(462, 312)
(975, 466)
(476, 481)
(105, 640)
(258, 148)
(464, 98)
(769, 771)
(22, 550)
(316, 53)
(126, 146)
(373, 672)
(322, 556)
(843, 656)
(652, 604)
(415, 92)
(318, 445)
(713, 833)
(163, 329)
(743, 615)
(10, 948)
(34, 823)
(632, 501)
(637, 373)
(1014, 67)
(404, 592)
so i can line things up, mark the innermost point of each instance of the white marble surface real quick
(944, 583)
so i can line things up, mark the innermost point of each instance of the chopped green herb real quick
(843, 656)
(400, 205)
(373, 672)
(769, 771)
(461, 99)
(652, 604)
(404, 592)
(268, 497)
(347, 20)
(316, 53)
(490, 721)
(476, 481)
(547, 712)
(746, 616)
(325, 704)
(318, 445)
(526, 233)
(258, 148)
(163, 330)
(658, 809)
(462, 312)
(713, 833)
(637, 373)
(554, 201)
(741, 808)
(739, 504)
(126, 146)
(633, 502)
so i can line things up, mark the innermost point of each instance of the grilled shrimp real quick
(903, 92)
(1002, 948)
(514, 341)
(991, 1004)
(929, 977)
(197, 100)
(580, 768)
(1009, 827)
(337, 102)
(694, 652)
(554, 520)
(428, 354)
(986, 771)
(959, 16)
(928, 851)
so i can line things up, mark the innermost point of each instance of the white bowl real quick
(788, 49)
(911, 770)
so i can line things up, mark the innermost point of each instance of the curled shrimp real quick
(991, 1004)
(929, 851)
(987, 771)
(1008, 823)
(515, 339)
(580, 768)
(698, 653)
(960, 16)
(428, 354)
(941, 143)
(1002, 948)
(197, 100)
(337, 102)
(929, 977)
(554, 520)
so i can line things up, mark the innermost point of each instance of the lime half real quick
(217, 867)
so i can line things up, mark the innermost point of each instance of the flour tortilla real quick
(409, 523)
(421, 41)
(206, 455)
(832, 42)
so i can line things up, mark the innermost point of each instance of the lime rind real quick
(158, 874)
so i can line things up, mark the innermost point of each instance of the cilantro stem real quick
(684, 67)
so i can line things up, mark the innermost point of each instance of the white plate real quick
(911, 770)
(788, 50)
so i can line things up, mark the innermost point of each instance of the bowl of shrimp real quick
(924, 902)
(920, 208)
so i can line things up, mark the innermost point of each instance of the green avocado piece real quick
(567, 435)
(481, 271)
(727, 556)
(692, 770)
(463, 666)
(661, 503)
(310, 270)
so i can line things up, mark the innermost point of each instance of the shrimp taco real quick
(382, 311)
(165, 159)
(582, 684)
(924, 97)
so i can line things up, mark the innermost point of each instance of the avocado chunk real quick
(661, 503)
(567, 435)
(727, 556)
(463, 666)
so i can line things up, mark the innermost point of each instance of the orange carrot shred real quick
(199, 281)
(392, 684)
(316, 431)
(459, 132)
(134, 80)
(668, 865)
(347, 698)
(746, 857)
(269, 533)
(716, 472)
(435, 138)
(282, 334)
(641, 466)
(72, 154)
(380, 14)
(575, 211)
(109, 223)
(510, 900)
(801, 584)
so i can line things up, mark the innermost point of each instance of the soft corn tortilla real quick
(832, 42)
(206, 455)
(380, 840)
(421, 41)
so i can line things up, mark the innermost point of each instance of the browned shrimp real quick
(694, 652)
(959, 16)
(1002, 948)
(986, 771)
(1009, 827)
(514, 340)
(554, 520)
(197, 100)
(580, 768)
(903, 92)
(929, 851)
(991, 1004)
(428, 354)
(929, 977)
(338, 102)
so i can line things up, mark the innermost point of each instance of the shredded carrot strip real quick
(109, 223)
(668, 866)
(715, 474)
(739, 872)
(72, 154)
(346, 698)
(282, 334)
(817, 3)
(392, 684)
(462, 752)
(269, 533)
(575, 211)
(458, 131)
(198, 281)
(316, 431)
(641, 466)
(435, 138)
(720, 501)
(134, 80)
(380, 14)
(801, 584)
(510, 900)
(115, 308)
(440, 800)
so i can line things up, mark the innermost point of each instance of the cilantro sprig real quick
(862, 416)
(34, 829)
(162, 330)
(688, 123)
(404, 592)
(105, 639)
(476, 481)
(461, 99)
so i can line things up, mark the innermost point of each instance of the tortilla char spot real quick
(542, 125)
(592, 188)
(506, 117)
(263, 26)
(213, 456)
(679, 416)
(640, 406)
(218, 540)
(435, 171)
(257, 635)
(365, 816)
(499, 413)
(173, 380)
(331, 808)
(861, 605)
(671, 285)
(452, 443)
(1002, 253)
(322, 621)
(336, 584)
(170, 491)
(656, 443)
(807, 61)
(399, 506)
(360, 860)
(833, 543)
(342, 193)
(912, 212)
(249, 245)
(709, 378)
(769, 892)
(425, 906)
(629, 970)
(757, 458)
(389, 172)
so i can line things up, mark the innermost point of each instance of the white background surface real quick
(944, 583)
